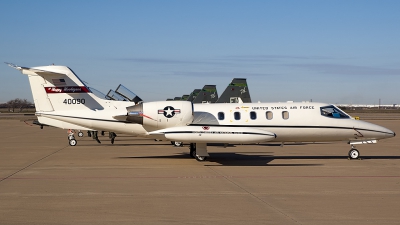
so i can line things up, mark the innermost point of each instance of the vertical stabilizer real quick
(207, 95)
(40, 98)
(193, 95)
(185, 97)
(58, 88)
(235, 91)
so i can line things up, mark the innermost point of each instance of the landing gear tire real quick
(200, 158)
(354, 154)
(71, 137)
(193, 154)
(177, 143)
(72, 142)
(80, 134)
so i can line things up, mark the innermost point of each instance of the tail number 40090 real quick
(74, 101)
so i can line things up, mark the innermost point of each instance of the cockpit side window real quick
(333, 112)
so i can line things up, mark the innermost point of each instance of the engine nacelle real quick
(163, 114)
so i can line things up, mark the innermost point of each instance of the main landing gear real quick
(354, 153)
(192, 149)
(198, 151)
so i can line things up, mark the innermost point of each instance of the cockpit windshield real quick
(333, 112)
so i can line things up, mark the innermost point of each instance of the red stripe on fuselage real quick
(66, 89)
(148, 117)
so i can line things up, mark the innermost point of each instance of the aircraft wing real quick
(215, 134)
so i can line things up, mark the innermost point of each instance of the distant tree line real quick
(17, 105)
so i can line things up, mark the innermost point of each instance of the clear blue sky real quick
(328, 51)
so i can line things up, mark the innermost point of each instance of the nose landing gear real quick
(354, 153)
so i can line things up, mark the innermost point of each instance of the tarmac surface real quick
(43, 180)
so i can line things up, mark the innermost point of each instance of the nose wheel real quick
(354, 154)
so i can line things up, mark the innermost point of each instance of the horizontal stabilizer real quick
(25, 70)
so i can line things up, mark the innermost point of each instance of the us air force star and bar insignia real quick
(169, 111)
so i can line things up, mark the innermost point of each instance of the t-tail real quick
(193, 95)
(62, 100)
(58, 88)
(208, 94)
(237, 91)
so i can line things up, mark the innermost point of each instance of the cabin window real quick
(253, 115)
(333, 112)
(221, 115)
(269, 115)
(285, 115)
(236, 115)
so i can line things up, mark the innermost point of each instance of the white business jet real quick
(63, 100)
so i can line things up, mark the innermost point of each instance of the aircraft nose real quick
(387, 133)
(376, 131)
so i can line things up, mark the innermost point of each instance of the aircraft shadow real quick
(380, 157)
(227, 159)
(233, 158)
(237, 159)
